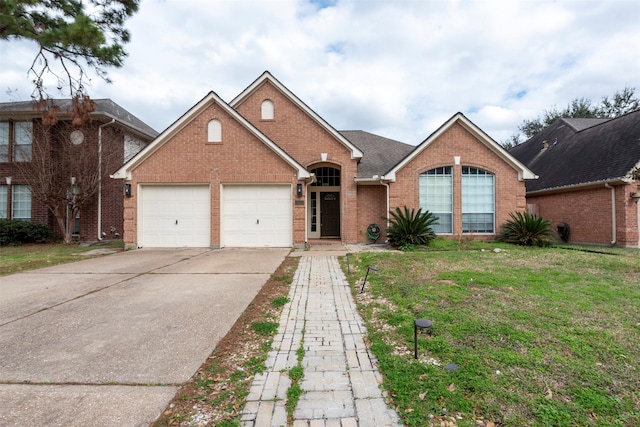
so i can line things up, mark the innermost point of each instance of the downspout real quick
(100, 177)
(306, 220)
(388, 202)
(613, 214)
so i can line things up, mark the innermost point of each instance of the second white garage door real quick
(256, 216)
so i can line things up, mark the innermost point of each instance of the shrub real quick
(411, 228)
(13, 232)
(526, 230)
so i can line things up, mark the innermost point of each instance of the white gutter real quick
(100, 176)
(613, 213)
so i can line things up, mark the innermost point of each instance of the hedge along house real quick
(589, 172)
(112, 136)
(265, 170)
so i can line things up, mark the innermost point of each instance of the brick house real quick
(113, 135)
(266, 170)
(585, 169)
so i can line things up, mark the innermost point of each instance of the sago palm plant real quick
(527, 230)
(410, 228)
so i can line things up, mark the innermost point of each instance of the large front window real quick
(477, 200)
(436, 196)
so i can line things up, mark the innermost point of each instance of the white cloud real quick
(399, 68)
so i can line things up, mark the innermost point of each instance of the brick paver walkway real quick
(341, 381)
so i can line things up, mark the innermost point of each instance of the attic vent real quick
(267, 110)
(545, 144)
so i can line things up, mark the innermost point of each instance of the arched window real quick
(436, 196)
(326, 176)
(214, 131)
(478, 207)
(267, 110)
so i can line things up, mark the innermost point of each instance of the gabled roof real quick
(125, 171)
(106, 110)
(569, 153)
(380, 154)
(267, 77)
(523, 172)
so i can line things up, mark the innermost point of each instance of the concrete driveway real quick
(108, 341)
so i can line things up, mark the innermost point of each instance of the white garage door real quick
(175, 216)
(256, 216)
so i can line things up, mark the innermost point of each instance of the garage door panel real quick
(257, 216)
(175, 216)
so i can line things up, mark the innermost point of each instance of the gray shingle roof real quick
(104, 107)
(380, 154)
(579, 154)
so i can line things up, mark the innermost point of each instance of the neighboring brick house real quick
(266, 170)
(585, 168)
(112, 133)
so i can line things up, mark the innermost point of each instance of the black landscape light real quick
(422, 324)
(364, 282)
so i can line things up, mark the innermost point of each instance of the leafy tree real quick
(409, 228)
(623, 102)
(75, 33)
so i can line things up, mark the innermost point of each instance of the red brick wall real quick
(588, 213)
(188, 158)
(304, 139)
(457, 141)
(372, 208)
(112, 203)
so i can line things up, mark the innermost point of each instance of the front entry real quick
(330, 214)
(324, 203)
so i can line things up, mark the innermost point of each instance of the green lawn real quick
(14, 259)
(540, 337)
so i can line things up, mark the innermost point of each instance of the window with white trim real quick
(4, 141)
(436, 196)
(22, 140)
(478, 206)
(16, 141)
(267, 110)
(21, 202)
(4, 196)
(214, 131)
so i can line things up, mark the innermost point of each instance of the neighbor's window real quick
(23, 139)
(436, 196)
(16, 141)
(478, 205)
(3, 201)
(21, 202)
(214, 131)
(4, 141)
(267, 110)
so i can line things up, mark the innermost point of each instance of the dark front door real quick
(330, 214)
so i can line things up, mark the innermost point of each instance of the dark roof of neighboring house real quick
(380, 153)
(572, 152)
(104, 107)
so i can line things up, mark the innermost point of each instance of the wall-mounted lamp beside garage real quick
(127, 190)
(299, 190)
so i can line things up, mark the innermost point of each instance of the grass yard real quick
(540, 336)
(14, 259)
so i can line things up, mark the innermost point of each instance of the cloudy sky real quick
(395, 68)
